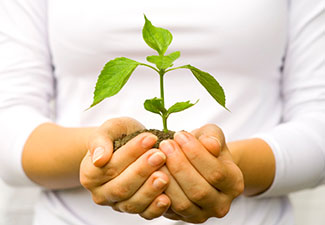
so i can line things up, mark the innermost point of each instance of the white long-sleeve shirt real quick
(268, 55)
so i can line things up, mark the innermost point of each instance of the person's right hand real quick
(127, 180)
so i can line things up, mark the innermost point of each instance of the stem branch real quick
(175, 68)
(143, 64)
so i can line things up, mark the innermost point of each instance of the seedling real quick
(116, 73)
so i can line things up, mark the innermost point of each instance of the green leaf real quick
(157, 38)
(112, 78)
(180, 106)
(209, 83)
(163, 62)
(155, 105)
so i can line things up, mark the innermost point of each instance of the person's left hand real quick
(203, 176)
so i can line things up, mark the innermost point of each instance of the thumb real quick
(211, 137)
(101, 142)
(101, 149)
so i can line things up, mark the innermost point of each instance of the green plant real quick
(117, 72)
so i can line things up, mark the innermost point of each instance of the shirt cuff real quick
(299, 160)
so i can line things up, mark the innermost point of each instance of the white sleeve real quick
(26, 81)
(298, 142)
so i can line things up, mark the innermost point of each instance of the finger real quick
(180, 203)
(101, 149)
(157, 208)
(90, 176)
(101, 145)
(196, 188)
(130, 152)
(211, 137)
(211, 143)
(220, 171)
(145, 196)
(133, 177)
(170, 214)
(93, 176)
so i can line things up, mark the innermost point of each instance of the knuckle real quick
(99, 200)
(147, 216)
(195, 132)
(176, 169)
(239, 188)
(85, 182)
(199, 220)
(111, 172)
(87, 179)
(222, 211)
(195, 155)
(216, 177)
(115, 207)
(142, 172)
(182, 208)
(130, 208)
(118, 193)
(199, 195)
(209, 126)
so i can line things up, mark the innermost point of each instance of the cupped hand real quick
(204, 179)
(128, 180)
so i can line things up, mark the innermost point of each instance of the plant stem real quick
(162, 96)
(161, 73)
(164, 119)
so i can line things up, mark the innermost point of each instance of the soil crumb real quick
(160, 134)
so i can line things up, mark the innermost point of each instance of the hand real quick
(126, 180)
(203, 177)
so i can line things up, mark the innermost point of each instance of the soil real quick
(160, 134)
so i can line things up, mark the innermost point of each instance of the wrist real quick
(52, 155)
(235, 151)
(255, 159)
(82, 136)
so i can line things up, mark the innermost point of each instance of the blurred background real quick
(16, 205)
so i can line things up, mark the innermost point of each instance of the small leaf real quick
(112, 78)
(163, 62)
(155, 105)
(209, 83)
(180, 106)
(157, 38)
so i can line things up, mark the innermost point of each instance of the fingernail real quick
(149, 141)
(159, 183)
(157, 159)
(161, 204)
(180, 138)
(166, 147)
(98, 153)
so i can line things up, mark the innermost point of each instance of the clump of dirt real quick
(160, 134)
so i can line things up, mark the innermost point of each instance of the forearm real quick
(52, 155)
(256, 160)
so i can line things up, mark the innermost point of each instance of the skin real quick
(52, 155)
(200, 177)
(134, 180)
